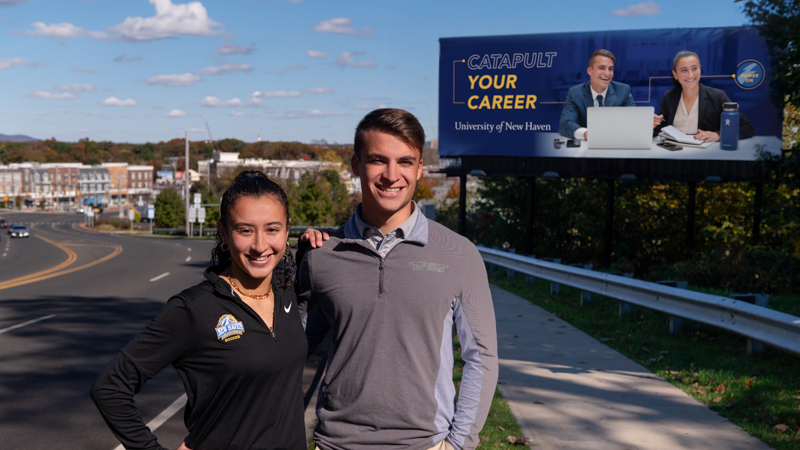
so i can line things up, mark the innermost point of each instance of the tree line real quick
(87, 151)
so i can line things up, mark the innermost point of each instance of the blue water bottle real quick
(729, 126)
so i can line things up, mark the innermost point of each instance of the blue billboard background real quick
(497, 93)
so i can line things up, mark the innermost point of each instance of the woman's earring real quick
(224, 247)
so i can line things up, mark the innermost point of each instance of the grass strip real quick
(760, 393)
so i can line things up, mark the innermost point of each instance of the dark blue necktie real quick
(599, 100)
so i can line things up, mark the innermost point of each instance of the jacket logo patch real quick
(228, 328)
(429, 266)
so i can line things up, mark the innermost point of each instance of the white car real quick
(19, 231)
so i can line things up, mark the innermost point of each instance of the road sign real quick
(131, 215)
(192, 214)
(151, 212)
(89, 212)
(201, 215)
(197, 198)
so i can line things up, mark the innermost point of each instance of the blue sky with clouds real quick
(139, 70)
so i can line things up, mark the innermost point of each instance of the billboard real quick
(504, 95)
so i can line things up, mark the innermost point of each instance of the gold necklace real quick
(255, 297)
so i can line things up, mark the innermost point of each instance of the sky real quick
(285, 70)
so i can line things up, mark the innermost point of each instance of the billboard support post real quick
(757, 212)
(608, 238)
(690, 205)
(530, 215)
(462, 205)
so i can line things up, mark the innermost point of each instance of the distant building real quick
(10, 181)
(223, 163)
(61, 185)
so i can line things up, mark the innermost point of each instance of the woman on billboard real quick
(692, 107)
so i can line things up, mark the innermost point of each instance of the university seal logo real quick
(228, 328)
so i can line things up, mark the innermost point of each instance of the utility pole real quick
(119, 196)
(186, 184)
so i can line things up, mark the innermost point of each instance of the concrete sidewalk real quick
(569, 391)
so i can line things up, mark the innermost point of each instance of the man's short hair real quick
(396, 122)
(602, 52)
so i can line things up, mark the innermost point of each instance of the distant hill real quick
(16, 138)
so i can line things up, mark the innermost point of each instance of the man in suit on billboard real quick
(598, 91)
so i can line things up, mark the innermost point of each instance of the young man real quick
(392, 286)
(598, 91)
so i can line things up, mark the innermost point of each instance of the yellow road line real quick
(71, 257)
(41, 276)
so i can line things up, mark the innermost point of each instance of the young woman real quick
(692, 107)
(236, 339)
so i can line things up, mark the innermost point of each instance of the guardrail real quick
(758, 324)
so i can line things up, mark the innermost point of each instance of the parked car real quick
(79, 209)
(3, 223)
(19, 231)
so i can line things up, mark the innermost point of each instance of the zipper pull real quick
(275, 338)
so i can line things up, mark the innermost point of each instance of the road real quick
(69, 300)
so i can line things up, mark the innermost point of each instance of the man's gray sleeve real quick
(314, 321)
(474, 319)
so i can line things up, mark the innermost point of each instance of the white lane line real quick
(189, 248)
(164, 416)
(188, 258)
(24, 324)
(159, 277)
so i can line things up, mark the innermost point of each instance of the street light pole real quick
(186, 184)
(119, 196)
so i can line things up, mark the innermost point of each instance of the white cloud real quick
(186, 79)
(90, 113)
(230, 49)
(82, 69)
(649, 8)
(75, 88)
(341, 25)
(218, 70)
(170, 20)
(11, 2)
(44, 95)
(390, 66)
(316, 54)
(215, 102)
(291, 67)
(314, 114)
(114, 101)
(368, 106)
(347, 59)
(276, 94)
(58, 31)
(126, 58)
(7, 63)
(176, 113)
(319, 90)
(238, 114)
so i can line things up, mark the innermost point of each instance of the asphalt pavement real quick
(59, 328)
